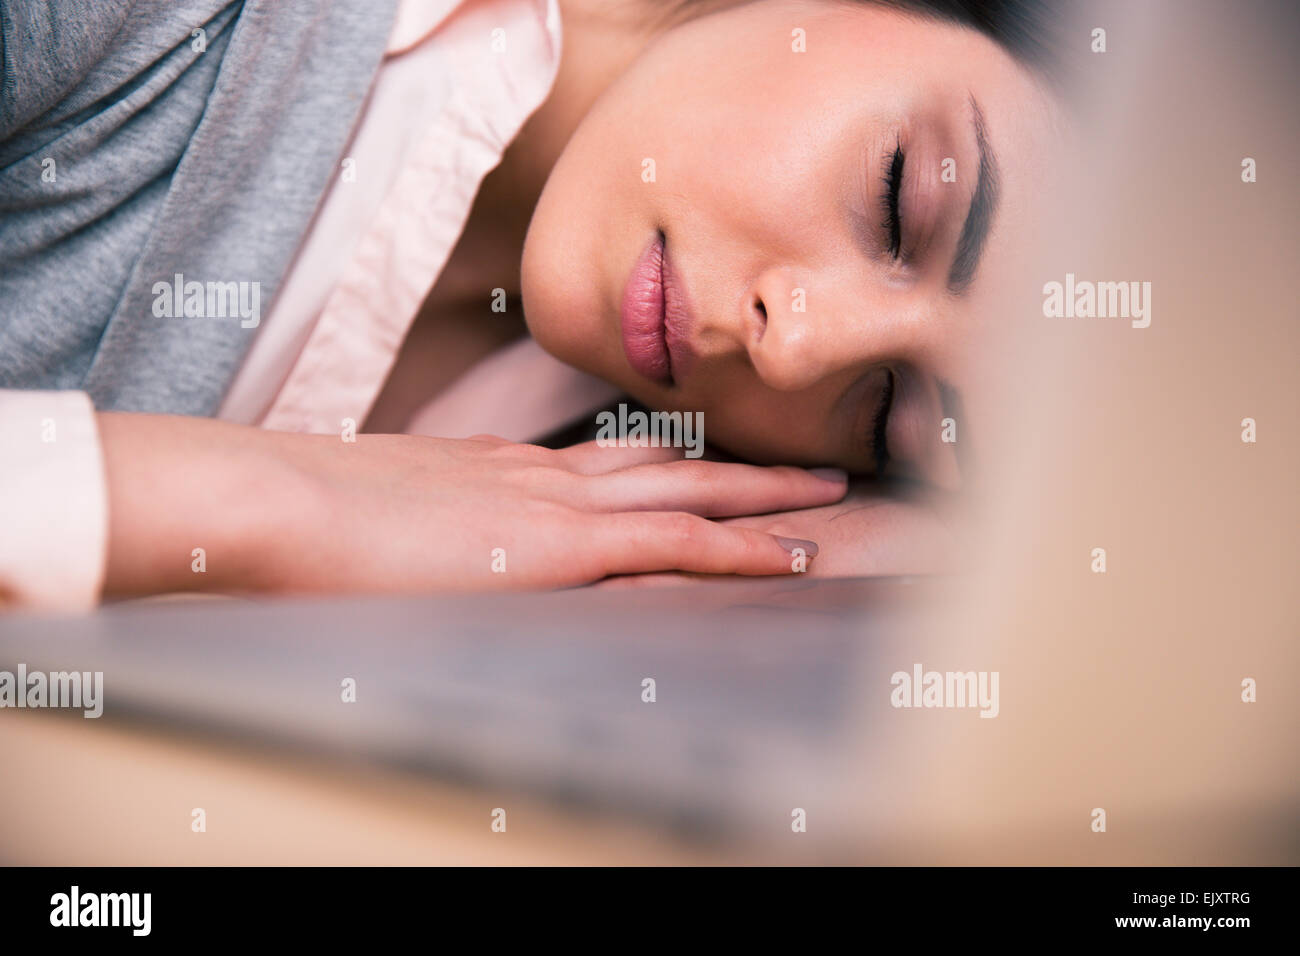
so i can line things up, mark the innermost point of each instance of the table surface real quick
(770, 697)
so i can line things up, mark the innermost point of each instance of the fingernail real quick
(809, 547)
(838, 475)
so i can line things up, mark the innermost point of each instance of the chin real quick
(551, 325)
(574, 330)
(544, 306)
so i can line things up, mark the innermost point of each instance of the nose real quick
(792, 340)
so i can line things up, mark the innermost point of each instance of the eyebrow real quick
(983, 205)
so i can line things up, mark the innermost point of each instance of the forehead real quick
(916, 53)
(855, 56)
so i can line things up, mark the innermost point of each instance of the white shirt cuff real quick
(53, 502)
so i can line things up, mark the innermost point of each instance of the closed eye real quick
(880, 424)
(893, 223)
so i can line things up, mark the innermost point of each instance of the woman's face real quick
(832, 224)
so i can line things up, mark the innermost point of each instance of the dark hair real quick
(1032, 31)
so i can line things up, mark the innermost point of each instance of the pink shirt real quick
(458, 81)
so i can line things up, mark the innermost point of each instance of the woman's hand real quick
(393, 513)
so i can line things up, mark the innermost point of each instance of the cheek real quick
(745, 135)
(763, 426)
(571, 258)
(757, 164)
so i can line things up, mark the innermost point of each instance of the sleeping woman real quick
(459, 231)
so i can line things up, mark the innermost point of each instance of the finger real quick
(596, 458)
(715, 489)
(640, 542)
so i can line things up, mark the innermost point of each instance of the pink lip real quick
(654, 317)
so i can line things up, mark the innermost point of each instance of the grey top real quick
(160, 163)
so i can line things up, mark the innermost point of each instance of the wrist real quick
(195, 505)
